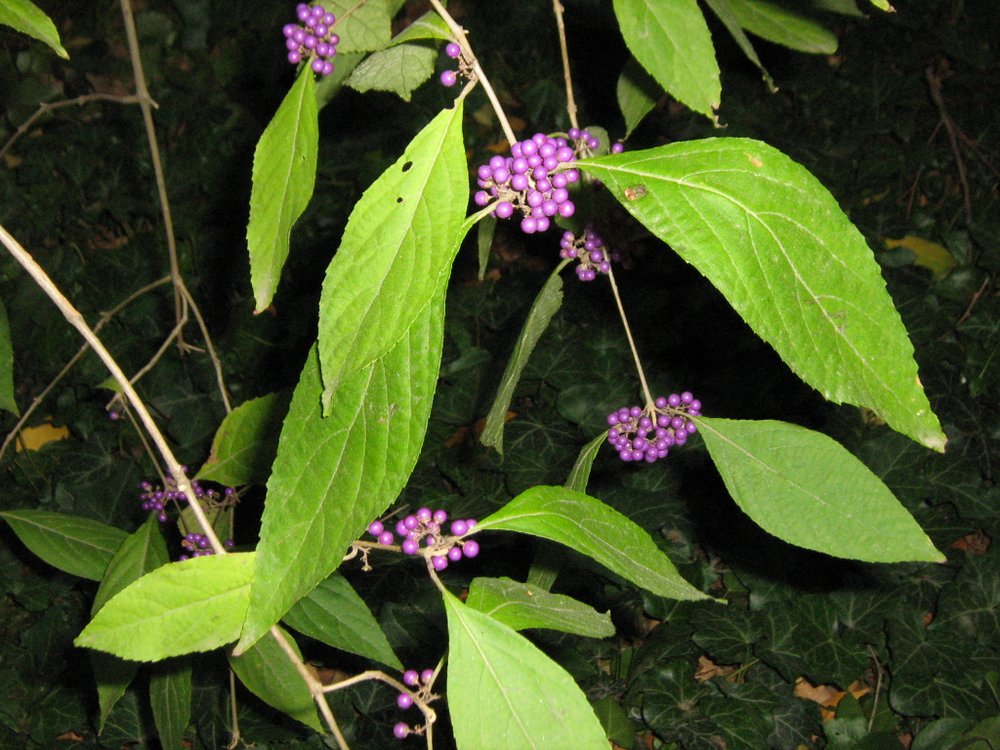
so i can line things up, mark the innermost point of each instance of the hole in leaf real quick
(406, 167)
(399, 199)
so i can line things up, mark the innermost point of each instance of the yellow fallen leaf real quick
(930, 255)
(33, 438)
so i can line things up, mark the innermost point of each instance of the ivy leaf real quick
(334, 614)
(78, 546)
(637, 94)
(334, 474)
(396, 252)
(7, 400)
(400, 69)
(807, 489)
(27, 18)
(782, 26)
(284, 174)
(170, 699)
(596, 530)
(546, 304)
(776, 244)
(503, 692)
(195, 605)
(270, 675)
(246, 441)
(671, 40)
(520, 606)
(366, 27)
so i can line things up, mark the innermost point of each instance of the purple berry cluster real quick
(155, 498)
(648, 434)
(313, 39)
(198, 545)
(594, 257)
(450, 77)
(422, 682)
(427, 526)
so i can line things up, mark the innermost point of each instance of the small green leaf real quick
(195, 605)
(725, 14)
(615, 721)
(399, 69)
(429, 26)
(142, 551)
(806, 488)
(546, 304)
(246, 441)
(112, 676)
(520, 606)
(25, 17)
(170, 699)
(783, 26)
(396, 252)
(484, 240)
(7, 400)
(579, 475)
(362, 26)
(670, 39)
(270, 675)
(637, 94)
(78, 546)
(596, 530)
(504, 693)
(284, 173)
(771, 238)
(883, 5)
(334, 614)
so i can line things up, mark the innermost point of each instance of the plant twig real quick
(631, 342)
(934, 81)
(557, 9)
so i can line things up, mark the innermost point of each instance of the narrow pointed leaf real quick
(7, 400)
(284, 174)
(246, 441)
(546, 304)
(24, 16)
(78, 546)
(776, 244)
(170, 698)
(520, 606)
(596, 530)
(142, 551)
(671, 40)
(505, 693)
(334, 614)
(396, 252)
(270, 675)
(195, 605)
(807, 489)
(579, 475)
(334, 474)
(784, 26)
(725, 14)
(112, 676)
(637, 94)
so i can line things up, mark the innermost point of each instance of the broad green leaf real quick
(781, 25)
(546, 304)
(334, 474)
(776, 244)
(170, 699)
(246, 441)
(78, 546)
(579, 475)
(195, 605)
(270, 675)
(504, 693)
(396, 252)
(25, 17)
(142, 551)
(284, 173)
(362, 26)
(731, 22)
(112, 676)
(399, 69)
(637, 94)
(670, 39)
(7, 400)
(334, 614)
(807, 489)
(596, 530)
(520, 606)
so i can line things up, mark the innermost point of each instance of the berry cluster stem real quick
(631, 342)
(557, 9)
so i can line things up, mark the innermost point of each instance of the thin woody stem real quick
(557, 9)
(631, 342)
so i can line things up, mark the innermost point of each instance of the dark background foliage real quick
(917, 644)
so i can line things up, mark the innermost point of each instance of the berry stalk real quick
(631, 342)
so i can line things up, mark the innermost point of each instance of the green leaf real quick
(399, 69)
(615, 721)
(333, 475)
(7, 400)
(25, 17)
(670, 39)
(807, 489)
(396, 252)
(246, 441)
(725, 14)
(520, 606)
(284, 173)
(546, 304)
(365, 28)
(195, 605)
(771, 238)
(429, 26)
(112, 676)
(596, 530)
(170, 699)
(142, 551)
(78, 546)
(503, 692)
(637, 94)
(484, 240)
(329, 86)
(783, 26)
(579, 475)
(334, 614)
(270, 675)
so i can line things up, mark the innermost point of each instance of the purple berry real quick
(470, 548)
(459, 527)
(452, 49)
(404, 700)
(449, 78)
(400, 730)
(426, 676)
(375, 528)
(411, 677)
(386, 538)
(439, 562)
